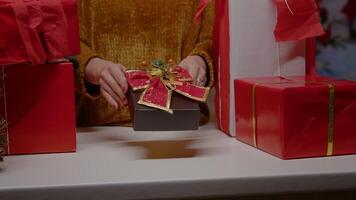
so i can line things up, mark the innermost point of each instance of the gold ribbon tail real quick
(330, 149)
(254, 118)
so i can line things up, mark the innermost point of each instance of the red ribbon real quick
(158, 88)
(201, 7)
(43, 29)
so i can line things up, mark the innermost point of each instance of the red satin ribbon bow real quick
(158, 85)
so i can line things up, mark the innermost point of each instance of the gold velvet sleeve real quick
(204, 45)
(87, 52)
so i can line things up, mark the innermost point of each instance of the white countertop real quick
(115, 162)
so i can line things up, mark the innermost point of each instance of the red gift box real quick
(37, 104)
(38, 30)
(297, 117)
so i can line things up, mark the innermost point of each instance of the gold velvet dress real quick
(131, 31)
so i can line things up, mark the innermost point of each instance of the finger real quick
(118, 73)
(109, 90)
(193, 71)
(110, 80)
(201, 81)
(202, 75)
(109, 98)
(123, 68)
(186, 63)
(183, 64)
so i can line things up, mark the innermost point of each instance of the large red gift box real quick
(38, 30)
(297, 117)
(37, 103)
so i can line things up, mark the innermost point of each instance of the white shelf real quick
(114, 162)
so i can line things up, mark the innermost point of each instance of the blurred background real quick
(336, 54)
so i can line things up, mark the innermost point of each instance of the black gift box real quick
(186, 115)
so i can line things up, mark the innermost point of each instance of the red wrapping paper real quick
(38, 30)
(292, 116)
(38, 104)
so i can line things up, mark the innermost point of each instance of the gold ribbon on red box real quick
(160, 80)
(3, 126)
(3, 123)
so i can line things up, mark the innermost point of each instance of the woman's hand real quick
(197, 69)
(111, 78)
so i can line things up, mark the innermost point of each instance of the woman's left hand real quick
(197, 69)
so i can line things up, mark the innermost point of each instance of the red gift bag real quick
(38, 30)
(243, 49)
(37, 108)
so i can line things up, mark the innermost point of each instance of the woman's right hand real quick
(111, 78)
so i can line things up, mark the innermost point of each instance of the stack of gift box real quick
(268, 94)
(37, 86)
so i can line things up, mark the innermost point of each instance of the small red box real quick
(297, 117)
(37, 102)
